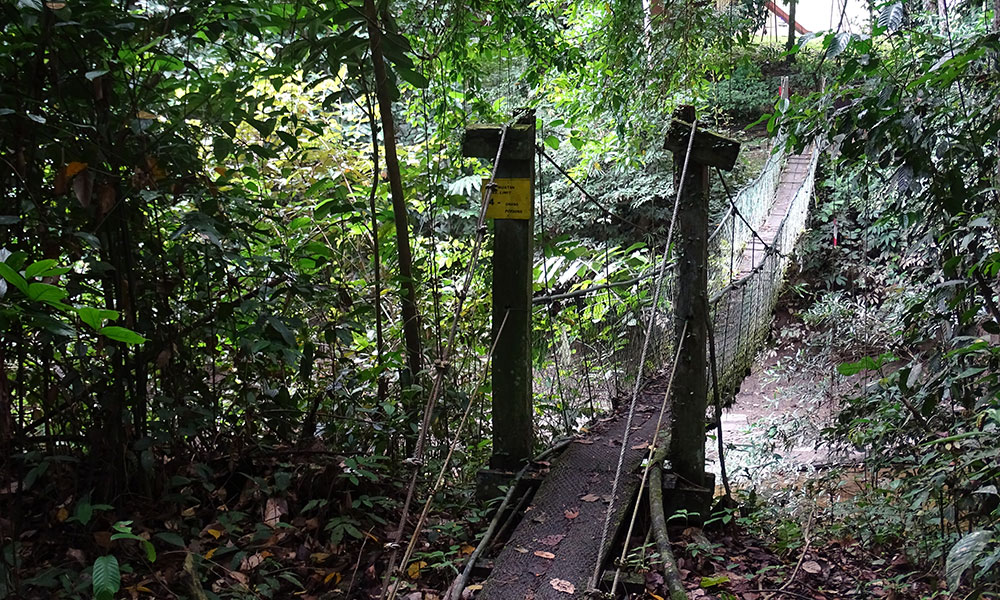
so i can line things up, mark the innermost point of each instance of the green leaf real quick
(221, 147)
(171, 538)
(37, 268)
(95, 317)
(351, 14)
(92, 75)
(290, 140)
(146, 544)
(963, 554)
(43, 292)
(412, 77)
(707, 582)
(891, 17)
(35, 5)
(838, 43)
(313, 504)
(282, 329)
(865, 364)
(552, 142)
(121, 334)
(84, 511)
(107, 578)
(14, 278)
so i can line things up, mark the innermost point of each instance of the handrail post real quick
(512, 211)
(687, 417)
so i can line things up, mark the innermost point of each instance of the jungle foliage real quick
(199, 286)
(201, 342)
(909, 295)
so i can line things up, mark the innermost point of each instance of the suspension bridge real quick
(554, 533)
(585, 505)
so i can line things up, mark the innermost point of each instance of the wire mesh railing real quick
(593, 352)
(733, 231)
(741, 311)
(587, 362)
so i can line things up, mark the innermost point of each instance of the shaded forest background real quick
(222, 301)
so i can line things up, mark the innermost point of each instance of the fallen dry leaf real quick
(520, 549)
(812, 567)
(135, 590)
(561, 585)
(641, 446)
(103, 539)
(252, 562)
(552, 540)
(544, 554)
(75, 167)
(466, 550)
(590, 498)
(274, 510)
(413, 571)
(587, 442)
(572, 513)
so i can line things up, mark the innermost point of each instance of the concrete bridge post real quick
(690, 390)
(512, 210)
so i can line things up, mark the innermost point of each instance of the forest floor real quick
(313, 524)
(796, 544)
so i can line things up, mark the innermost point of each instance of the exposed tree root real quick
(671, 576)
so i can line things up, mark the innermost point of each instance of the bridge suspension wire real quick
(736, 211)
(553, 349)
(453, 444)
(590, 197)
(642, 360)
(584, 292)
(753, 202)
(653, 446)
(587, 291)
(440, 371)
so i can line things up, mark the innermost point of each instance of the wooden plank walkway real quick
(568, 513)
(792, 177)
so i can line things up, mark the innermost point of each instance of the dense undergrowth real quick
(204, 391)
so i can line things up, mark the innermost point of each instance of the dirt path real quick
(772, 430)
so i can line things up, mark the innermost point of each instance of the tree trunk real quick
(411, 329)
(791, 30)
(376, 255)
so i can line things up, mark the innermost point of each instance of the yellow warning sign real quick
(510, 200)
